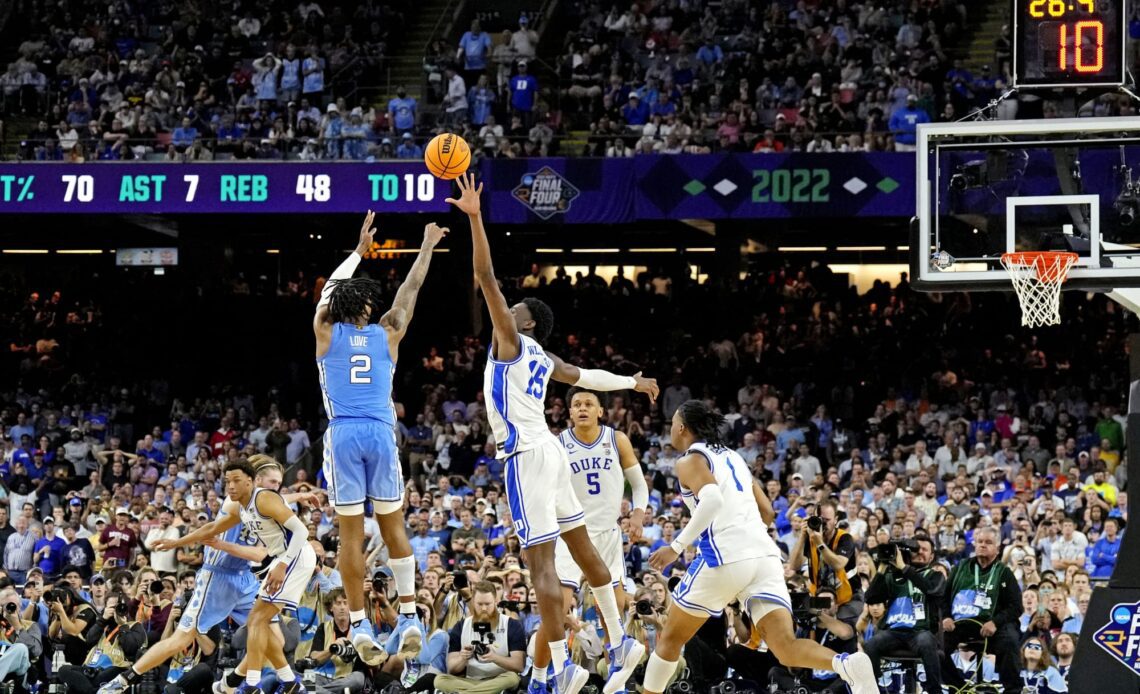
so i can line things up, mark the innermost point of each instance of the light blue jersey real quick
(356, 374)
(224, 588)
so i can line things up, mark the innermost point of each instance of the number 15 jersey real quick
(516, 391)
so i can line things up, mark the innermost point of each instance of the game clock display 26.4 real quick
(1076, 43)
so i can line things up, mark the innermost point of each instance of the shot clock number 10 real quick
(1077, 43)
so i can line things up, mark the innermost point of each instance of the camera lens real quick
(815, 523)
(156, 587)
(644, 607)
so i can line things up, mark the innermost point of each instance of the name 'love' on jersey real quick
(737, 531)
(597, 477)
(517, 393)
(356, 373)
(263, 528)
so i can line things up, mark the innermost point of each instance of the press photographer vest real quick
(840, 580)
(482, 671)
(183, 662)
(108, 653)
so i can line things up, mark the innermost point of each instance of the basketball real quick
(447, 156)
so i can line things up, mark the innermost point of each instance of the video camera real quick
(481, 645)
(885, 553)
(806, 608)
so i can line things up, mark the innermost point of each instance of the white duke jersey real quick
(737, 531)
(271, 533)
(597, 477)
(517, 393)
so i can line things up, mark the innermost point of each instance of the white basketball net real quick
(1037, 279)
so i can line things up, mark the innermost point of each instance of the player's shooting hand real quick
(647, 385)
(468, 201)
(433, 234)
(275, 579)
(662, 558)
(367, 232)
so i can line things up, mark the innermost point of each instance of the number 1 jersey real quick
(356, 374)
(516, 391)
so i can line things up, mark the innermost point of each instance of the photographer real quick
(332, 654)
(823, 625)
(909, 588)
(487, 650)
(982, 601)
(69, 618)
(114, 642)
(192, 666)
(830, 553)
(21, 642)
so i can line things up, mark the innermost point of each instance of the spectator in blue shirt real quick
(474, 46)
(709, 55)
(332, 132)
(402, 112)
(355, 135)
(663, 107)
(184, 135)
(1104, 552)
(48, 552)
(422, 543)
(408, 148)
(524, 92)
(481, 99)
(904, 123)
(635, 113)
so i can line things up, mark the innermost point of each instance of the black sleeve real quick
(846, 547)
(877, 592)
(319, 640)
(455, 638)
(929, 582)
(516, 636)
(1009, 600)
(94, 628)
(131, 640)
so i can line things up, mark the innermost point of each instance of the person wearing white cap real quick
(331, 130)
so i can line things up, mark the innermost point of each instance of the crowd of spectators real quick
(894, 416)
(124, 81)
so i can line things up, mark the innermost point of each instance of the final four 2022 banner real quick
(716, 186)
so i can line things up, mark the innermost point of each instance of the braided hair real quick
(350, 297)
(703, 421)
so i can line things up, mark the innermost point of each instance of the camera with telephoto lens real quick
(512, 605)
(885, 553)
(814, 523)
(481, 645)
(344, 651)
(121, 608)
(156, 587)
(644, 607)
(53, 595)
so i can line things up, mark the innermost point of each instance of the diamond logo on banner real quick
(725, 186)
(545, 192)
(659, 185)
(694, 187)
(855, 185)
(888, 185)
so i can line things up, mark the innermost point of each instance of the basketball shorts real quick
(361, 461)
(609, 546)
(297, 576)
(539, 493)
(218, 594)
(758, 584)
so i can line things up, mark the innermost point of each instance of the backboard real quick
(990, 187)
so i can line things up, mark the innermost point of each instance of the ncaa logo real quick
(545, 192)
(1121, 636)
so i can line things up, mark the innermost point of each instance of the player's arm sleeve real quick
(638, 486)
(600, 379)
(297, 542)
(343, 271)
(710, 500)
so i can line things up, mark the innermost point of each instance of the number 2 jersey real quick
(737, 531)
(516, 391)
(356, 374)
(597, 477)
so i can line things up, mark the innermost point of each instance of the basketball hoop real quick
(1037, 278)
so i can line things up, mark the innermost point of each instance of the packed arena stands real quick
(909, 412)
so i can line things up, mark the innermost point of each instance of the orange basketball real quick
(447, 156)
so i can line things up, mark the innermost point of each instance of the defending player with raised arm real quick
(537, 468)
(737, 560)
(356, 361)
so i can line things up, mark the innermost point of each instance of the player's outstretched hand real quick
(367, 232)
(164, 545)
(662, 558)
(647, 385)
(433, 234)
(468, 201)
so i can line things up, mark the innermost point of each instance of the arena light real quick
(595, 250)
(904, 248)
(858, 249)
(653, 250)
(79, 251)
(272, 251)
(700, 250)
(26, 251)
(802, 249)
(548, 250)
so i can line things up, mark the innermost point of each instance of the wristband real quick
(677, 547)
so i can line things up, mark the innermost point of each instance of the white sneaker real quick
(623, 660)
(570, 680)
(855, 669)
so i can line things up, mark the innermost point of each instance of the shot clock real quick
(1068, 43)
